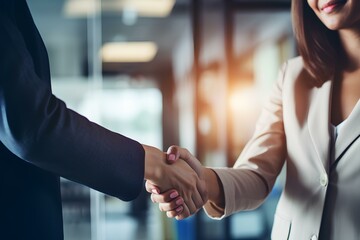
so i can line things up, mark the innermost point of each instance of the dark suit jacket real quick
(41, 139)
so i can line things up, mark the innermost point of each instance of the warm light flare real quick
(242, 100)
(244, 105)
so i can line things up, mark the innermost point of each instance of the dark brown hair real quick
(318, 46)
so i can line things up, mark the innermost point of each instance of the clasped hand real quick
(178, 186)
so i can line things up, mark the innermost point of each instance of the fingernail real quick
(179, 202)
(154, 190)
(174, 195)
(171, 157)
(179, 209)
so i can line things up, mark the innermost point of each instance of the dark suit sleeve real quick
(40, 129)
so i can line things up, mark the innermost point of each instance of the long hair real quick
(318, 45)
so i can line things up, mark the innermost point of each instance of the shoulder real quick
(294, 72)
(296, 61)
(294, 65)
(290, 71)
(7, 8)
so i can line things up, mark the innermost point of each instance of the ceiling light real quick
(144, 8)
(81, 8)
(151, 8)
(128, 52)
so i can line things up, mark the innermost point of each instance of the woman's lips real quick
(332, 5)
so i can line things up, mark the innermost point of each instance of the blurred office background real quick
(187, 72)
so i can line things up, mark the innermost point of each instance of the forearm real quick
(39, 128)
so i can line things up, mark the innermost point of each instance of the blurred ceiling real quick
(66, 38)
(57, 29)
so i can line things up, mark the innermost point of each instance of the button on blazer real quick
(294, 130)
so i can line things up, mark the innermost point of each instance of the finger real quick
(151, 188)
(171, 206)
(172, 154)
(165, 197)
(176, 212)
(184, 214)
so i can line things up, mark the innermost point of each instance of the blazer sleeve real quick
(249, 182)
(40, 129)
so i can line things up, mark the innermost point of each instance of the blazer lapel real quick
(319, 119)
(349, 132)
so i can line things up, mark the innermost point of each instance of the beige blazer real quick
(294, 129)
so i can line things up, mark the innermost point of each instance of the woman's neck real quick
(350, 40)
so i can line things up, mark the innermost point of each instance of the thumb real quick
(172, 154)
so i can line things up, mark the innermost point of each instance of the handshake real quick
(179, 183)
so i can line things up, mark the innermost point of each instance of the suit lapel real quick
(319, 119)
(349, 132)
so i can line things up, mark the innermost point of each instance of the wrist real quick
(214, 187)
(154, 163)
